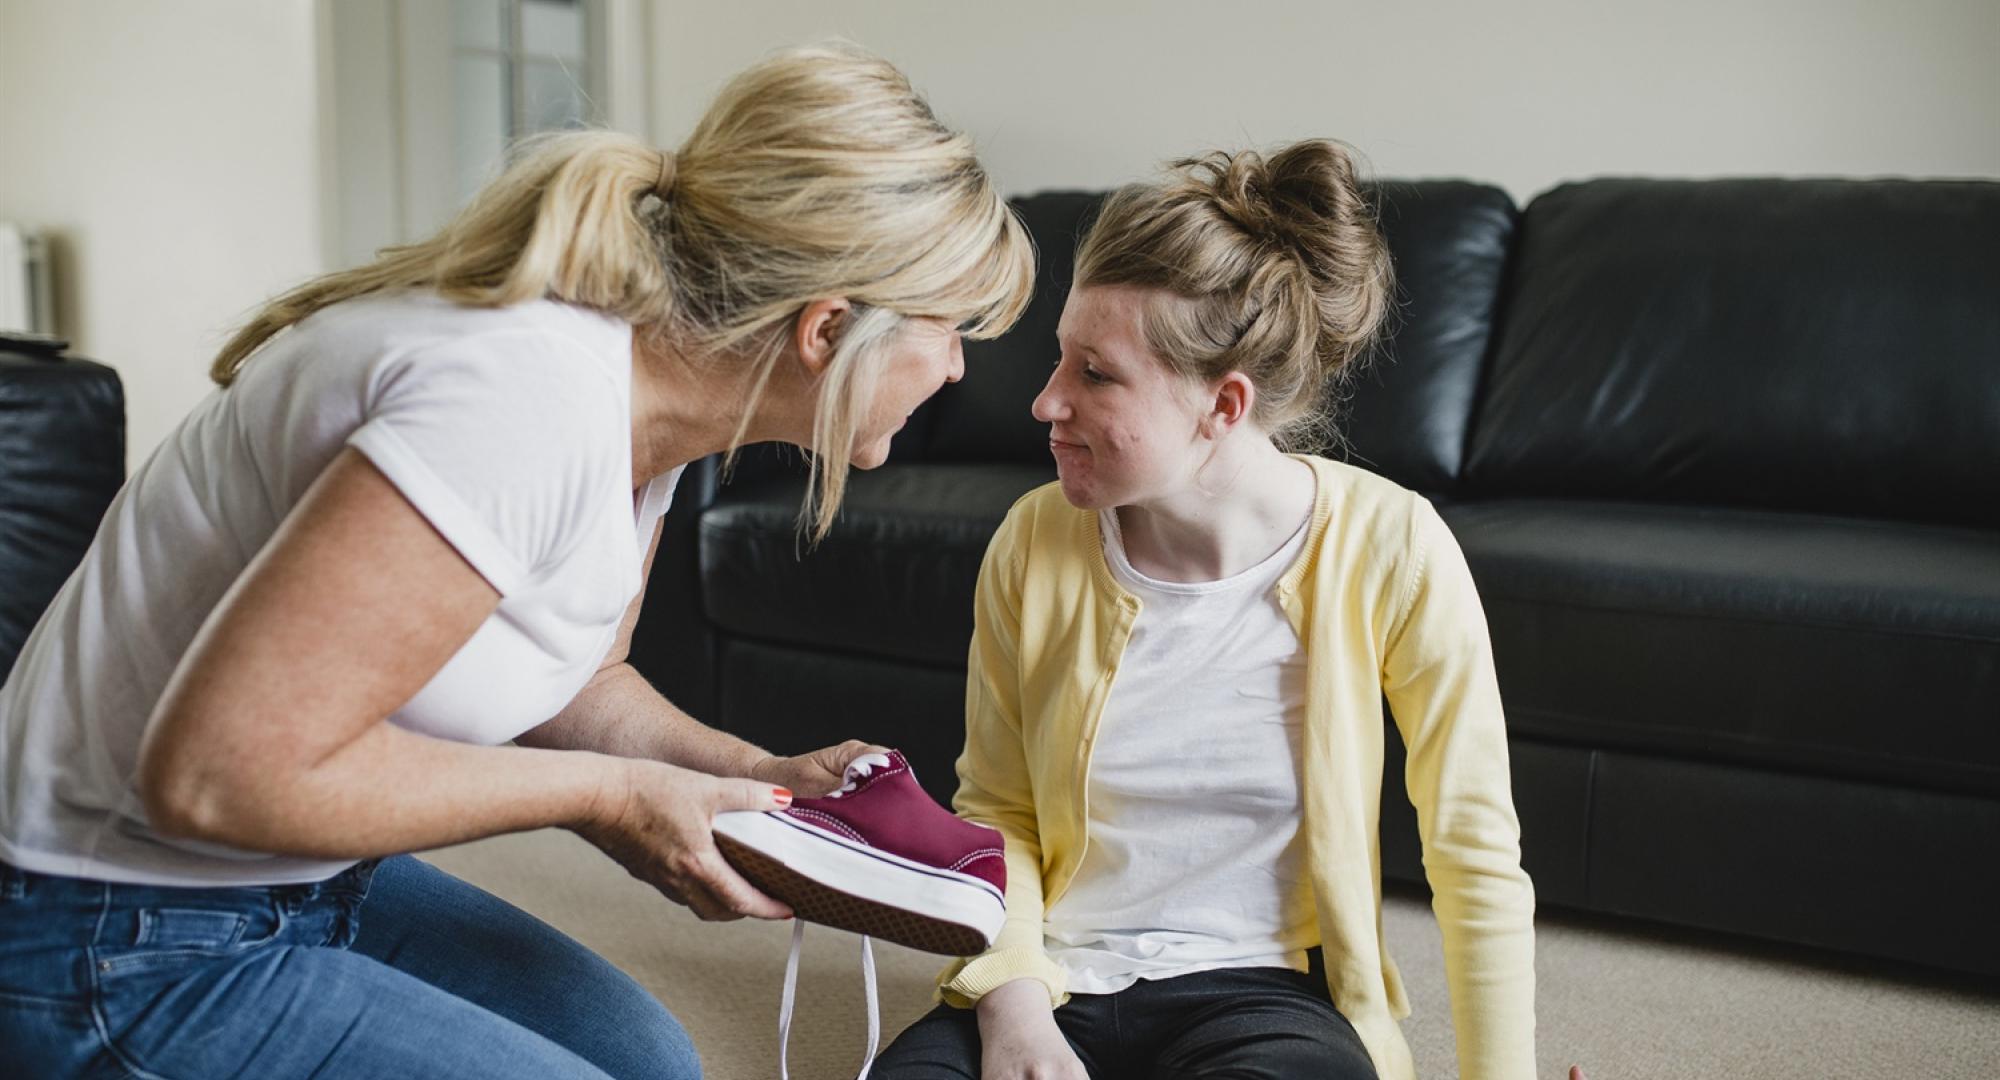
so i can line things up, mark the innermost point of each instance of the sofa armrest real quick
(62, 460)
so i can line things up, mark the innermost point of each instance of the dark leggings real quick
(1242, 1024)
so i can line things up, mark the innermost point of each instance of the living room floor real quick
(1625, 1000)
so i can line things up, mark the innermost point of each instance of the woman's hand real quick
(659, 826)
(1019, 1039)
(815, 774)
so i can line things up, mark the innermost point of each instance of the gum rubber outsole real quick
(817, 902)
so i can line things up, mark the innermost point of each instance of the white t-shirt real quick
(1194, 860)
(509, 430)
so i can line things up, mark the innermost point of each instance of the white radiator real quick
(27, 283)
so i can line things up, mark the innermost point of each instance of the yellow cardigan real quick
(1384, 605)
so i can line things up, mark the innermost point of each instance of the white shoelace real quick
(791, 992)
(858, 770)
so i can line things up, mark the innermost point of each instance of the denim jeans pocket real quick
(195, 928)
(169, 936)
(157, 971)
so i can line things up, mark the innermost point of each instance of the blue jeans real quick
(390, 969)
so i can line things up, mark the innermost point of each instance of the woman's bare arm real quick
(271, 735)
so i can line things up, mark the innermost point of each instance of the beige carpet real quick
(1627, 1002)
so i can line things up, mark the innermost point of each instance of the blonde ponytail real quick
(565, 221)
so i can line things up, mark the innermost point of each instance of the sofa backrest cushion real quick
(1411, 406)
(984, 416)
(1409, 409)
(1824, 345)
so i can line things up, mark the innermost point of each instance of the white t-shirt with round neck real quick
(508, 429)
(1195, 859)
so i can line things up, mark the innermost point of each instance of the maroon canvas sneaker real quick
(878, 857)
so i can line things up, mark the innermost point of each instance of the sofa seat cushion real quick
(893, 579)
(1824, 644)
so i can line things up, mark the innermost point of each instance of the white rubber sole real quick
(833, 880)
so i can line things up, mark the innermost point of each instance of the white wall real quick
(173, 151)
(179, 155)
(1076, 93)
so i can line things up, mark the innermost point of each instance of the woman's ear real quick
(1232, 398)
(817, 333)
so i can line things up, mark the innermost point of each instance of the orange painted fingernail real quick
(783, 795)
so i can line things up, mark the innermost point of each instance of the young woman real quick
(1180, 653)
(413, 526)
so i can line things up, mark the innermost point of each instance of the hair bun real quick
(1306, 200)
(1307, 197)
(1274, 266)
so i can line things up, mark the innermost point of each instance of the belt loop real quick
(103, 914)
(291, 900)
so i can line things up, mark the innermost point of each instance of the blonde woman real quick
(1180, 653)
(412, 527)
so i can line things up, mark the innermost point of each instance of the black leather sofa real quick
(62, 458)
(1725, 460)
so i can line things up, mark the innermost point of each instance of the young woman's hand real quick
(1019, 1039)
(815, 774)
(659, 826)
